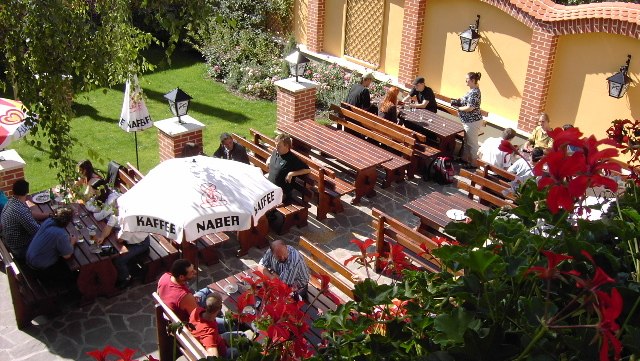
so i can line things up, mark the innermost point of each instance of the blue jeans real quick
(134, 250)
(201, 298)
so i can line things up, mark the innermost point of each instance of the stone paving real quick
(127, 320)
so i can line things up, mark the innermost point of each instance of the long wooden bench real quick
(294, 214)
(486, 184)
(322, 182)
(30, 297)
(481, 196)
(390, 231)
(494, 174)
(424, 153)
(388, 136)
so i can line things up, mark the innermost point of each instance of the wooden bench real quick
(496, 189)
(30, 297)
(494, 174)
(322, 182)
(294, 214)
(481, 196)
(390, 231)
(423, 154)
(186, 344)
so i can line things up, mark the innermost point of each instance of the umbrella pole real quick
(135, 136)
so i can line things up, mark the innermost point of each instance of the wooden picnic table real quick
(96, 273)
(432, 209)
(357, 154)
(442, 130)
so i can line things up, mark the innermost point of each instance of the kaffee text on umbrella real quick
(156, 223)
(266, 199)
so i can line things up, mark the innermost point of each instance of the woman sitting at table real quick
(389, 106)
(104, 206)
(469, 111)
(50, 246)
(88, 177)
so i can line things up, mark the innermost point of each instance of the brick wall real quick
(293, 106)
(171, 146)
(411, 45)
(8, 177)
(315, 25)
(539, 69)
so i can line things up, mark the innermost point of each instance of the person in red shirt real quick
(205, 329)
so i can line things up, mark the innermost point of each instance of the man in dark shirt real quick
(284, 166)
(18, 222)
(229, 149)
(359, 93)
(422, 96)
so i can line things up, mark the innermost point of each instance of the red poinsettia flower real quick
(599, 278)
(101, 355)
(395, 261)
(363, 258)
(551, 271)
(609, 309)
(565, 137)
(507, 147)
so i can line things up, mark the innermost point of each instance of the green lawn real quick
(97, 113)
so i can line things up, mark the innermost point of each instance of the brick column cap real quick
(301, 85)
(171, 126)
(10, 159)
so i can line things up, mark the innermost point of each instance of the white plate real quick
(231, 288)
(456, 214)
(40, 198)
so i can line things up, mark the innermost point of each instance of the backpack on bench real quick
(440, 170)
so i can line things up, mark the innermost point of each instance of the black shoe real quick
(122, 284)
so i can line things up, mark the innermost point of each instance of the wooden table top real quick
(432, 122)
(343, 146)
(434, 206)
(84, 253)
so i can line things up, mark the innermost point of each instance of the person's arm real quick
(212, 351)
(296, 173)
(106, 231)
(188, 303)
(72, 241)
(37, 214)
(29, 223)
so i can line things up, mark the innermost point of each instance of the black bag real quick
(441, 170)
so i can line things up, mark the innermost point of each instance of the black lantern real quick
(178, 102)
(469, 38)
(297, 63)
(619, 82)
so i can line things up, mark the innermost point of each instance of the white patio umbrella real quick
(134, 116)
(12, 124)
(187, 198)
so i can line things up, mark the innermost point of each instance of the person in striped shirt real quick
(286, 263)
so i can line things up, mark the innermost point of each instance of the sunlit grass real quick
(97, 113)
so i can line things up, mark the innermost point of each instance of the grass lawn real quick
(97, 113)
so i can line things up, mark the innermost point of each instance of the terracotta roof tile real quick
(547, 10)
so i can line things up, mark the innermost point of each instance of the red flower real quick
(565, 137)
(363, 258)
(550, 272)
(395, 261)
(609, 309)
(101, 355)
(507, 147)
(599, 278)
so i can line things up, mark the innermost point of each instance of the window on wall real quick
(363, 33)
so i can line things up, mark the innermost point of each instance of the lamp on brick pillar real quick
(297, 63)
(178, 102)
(11, 169)
(469, 38)
(619, 82)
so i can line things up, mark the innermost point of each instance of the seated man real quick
(489, 151)
(286, 263)
(359, 94)
(284, 166)
(421, 96)
(540, 136)
(103, 205)
(522, 169)
(205, 329)
(173, 290)
(19, 224)
(50, 245)
(230, 149)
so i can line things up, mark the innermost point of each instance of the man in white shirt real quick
(490, 153)
(522, 169)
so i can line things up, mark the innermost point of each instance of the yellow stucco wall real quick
(300, 17)
(335, 13)
(391, 37)
(578, 93)
(501, 57)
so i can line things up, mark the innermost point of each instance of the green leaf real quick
(452, 327)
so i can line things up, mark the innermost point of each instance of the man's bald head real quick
(279, 250)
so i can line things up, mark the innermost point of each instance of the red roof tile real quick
(547, 10)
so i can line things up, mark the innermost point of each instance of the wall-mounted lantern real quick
(619, 82)
(469, 38)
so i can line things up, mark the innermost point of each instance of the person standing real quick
(469, 112)
(51, 245)
(284, 166)
(286, 263)
(421, 96)
(18, 222)
(359, 95)
(389, 106)
(230, 149)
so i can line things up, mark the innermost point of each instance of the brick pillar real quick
(11, 169)
(172, 136)
(295, 101)
(411, 44)
(315, 25)
(536, 86)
